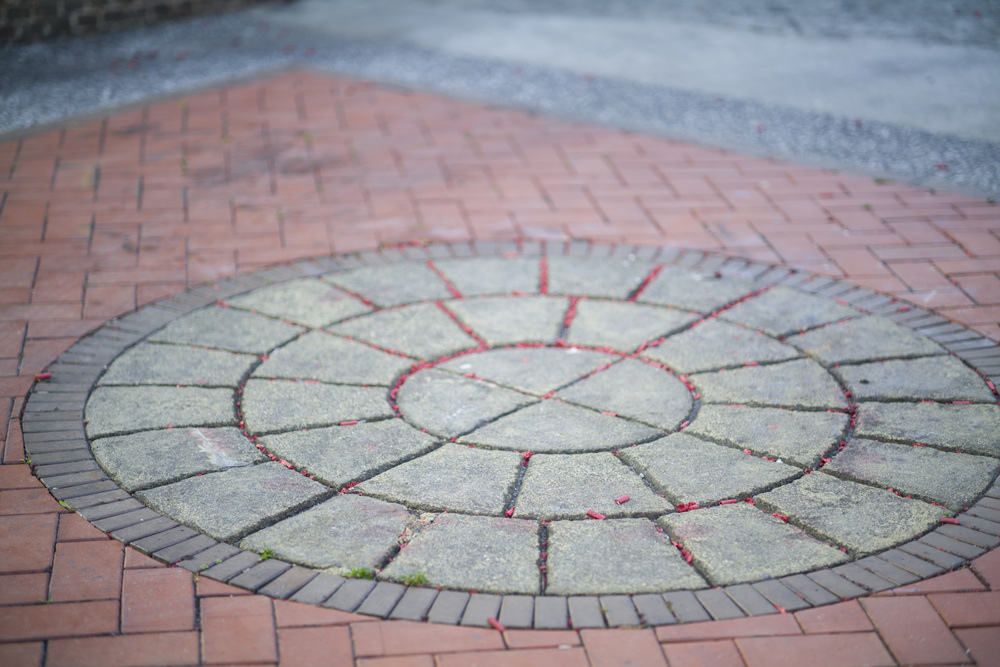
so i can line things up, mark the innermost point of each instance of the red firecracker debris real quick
(948, 519)
(622, 499)
(42, 376)
(495, 624)
(595, 515)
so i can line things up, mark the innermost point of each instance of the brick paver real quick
(101, 217)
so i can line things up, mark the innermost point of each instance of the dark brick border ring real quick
(533, 434)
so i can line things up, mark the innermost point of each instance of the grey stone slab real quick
(623, 325)
(636, 390)
(448, 405)
(801, 383)
(535, 370)
(152, 458)
(481, 608)
(968, 428)
(867, 338)
(620, 611)
(168, 538)
(423, 331)
(687, 469)
(96, 512)
(934, 378)
(120, 521)
(887, 570)
(88, 494)
(321, 356)
(738, 543)
(952, 546)
(686, 607)
(227, 329)
(288, 582)
(448, 607)
(715, 344)
(152, 363)
(118, 410)
(319, 589)
(509, 320)
(504, 560)
(910, 563)
(949, 478)
(306, 301)
(415, 604)
(782, 310)
(51, 470)
(392, 284)
(231, 567)
(55, 482)
(718, 604)
(607, 277)
(346, 532)
(557, 486)
(780, 595)
(271, 406)
(204, 559)
(230, 504)
(981, 525)
(585, 612)
(693, 290)
(350, 595)
(451, 478)
(942, 558)
(556, 427)
(653, 609)
(260, 574)
(589, 557)
(382, 599)
(491, 275)
(186, 549)
(809, 590)
(551, 613)
(798, 438)
(864, 578)
(143, 529)
(750, 600)
(339, 455)
(970, 535)
(836, 584)
(517, 611)
(860, 518)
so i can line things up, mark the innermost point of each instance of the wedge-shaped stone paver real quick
(484, 554)
(228, 329)
(559, 486)
(453, 478)
(966, 428)
(308, 301)
(153, 458)
(863, 339)
(423, 331)
(228, 505)
(949, 478)
(714, 344)
(781, 311)
(339, 455)
(392, 285)
(801, 383)
(935, 378)
(691, 290)
(687, 469)
(492, 275)
(509, 320)
(321, 356)
(151, 363)
(614, 556)
(860, 518)
(346, 532)
(799, 438)
(270, 406)
(623, 325)
(608, 277)
(449, 405)
(732, 544)
(635, 390)
(536, 370)
(556, 427)
(116, 410)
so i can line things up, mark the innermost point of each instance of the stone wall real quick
(32, 20)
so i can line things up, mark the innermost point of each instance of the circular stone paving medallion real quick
(531, 420)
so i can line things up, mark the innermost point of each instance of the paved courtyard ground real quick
(481, 287)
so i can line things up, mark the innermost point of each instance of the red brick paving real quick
(106, 215)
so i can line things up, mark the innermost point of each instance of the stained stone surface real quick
(948, 478)
(863, 339)
(227, 329)
(778, 385)
(505, 559)
(307, 301)
(150, 363)
(227, 505)
(687, 470)
(482, 407)
(781, 311)
(614, 556)
(152, 458)
(714, 344)
(321, 356)
(799, 438)
(860, 518)
(557, 486)
(971, 428)
(736, 543)
(346, 532)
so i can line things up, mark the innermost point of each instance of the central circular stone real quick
(545, 400)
